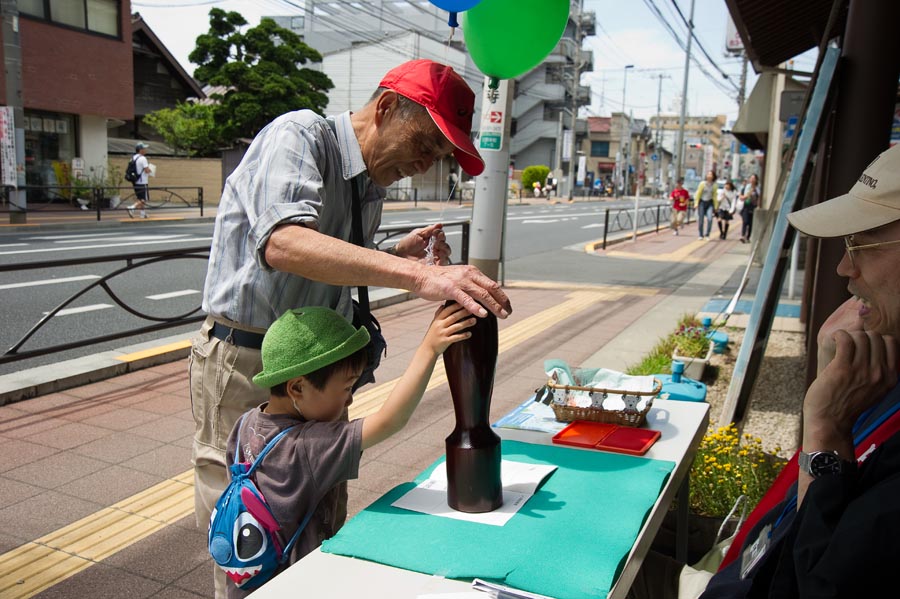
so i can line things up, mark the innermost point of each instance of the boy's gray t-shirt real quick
(300, 473)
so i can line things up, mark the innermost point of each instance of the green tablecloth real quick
(569, 541)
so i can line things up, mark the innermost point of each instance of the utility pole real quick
(743, 90)
(679, 169)
(576, 80)
(626, 133)
(491, 187)
(657, 170)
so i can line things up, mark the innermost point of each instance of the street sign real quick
(492, 121)
(491, 141)
(654, 157)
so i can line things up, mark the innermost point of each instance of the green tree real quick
(188, 127)
(260, 70)
(537, 172)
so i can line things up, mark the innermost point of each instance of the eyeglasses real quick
(852, 247)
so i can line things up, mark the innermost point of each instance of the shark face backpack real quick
(243, 533)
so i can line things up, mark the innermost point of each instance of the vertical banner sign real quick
(582, 168)
(567, 145)
(7, 147)
(492, 118)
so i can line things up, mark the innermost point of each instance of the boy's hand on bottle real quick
(449, 326)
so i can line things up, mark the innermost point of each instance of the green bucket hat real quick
(305, 340)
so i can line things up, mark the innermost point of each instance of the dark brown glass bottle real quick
(473, 448)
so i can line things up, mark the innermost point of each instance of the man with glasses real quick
(830, 524)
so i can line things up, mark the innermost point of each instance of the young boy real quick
(680, 197)
(311, 359)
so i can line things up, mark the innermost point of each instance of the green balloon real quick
(507, 38)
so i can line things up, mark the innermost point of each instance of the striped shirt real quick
(297, 170)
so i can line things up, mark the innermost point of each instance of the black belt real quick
(237, 336)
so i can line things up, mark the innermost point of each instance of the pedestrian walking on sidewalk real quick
(727, 204)
(749, 201)
(284, 239)
(141, 185)
(706, 202)
(680, 198)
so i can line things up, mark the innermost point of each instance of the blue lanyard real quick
(790, 506)
(859, 437)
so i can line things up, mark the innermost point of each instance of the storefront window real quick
(49, 147)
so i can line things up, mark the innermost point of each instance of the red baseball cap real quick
(447, 98)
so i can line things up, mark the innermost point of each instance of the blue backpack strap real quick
(287, 548)
(237, 441)
(266, 449)
(286, 553)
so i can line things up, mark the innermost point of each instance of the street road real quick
(535, 234)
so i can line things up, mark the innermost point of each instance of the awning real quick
(752, 125)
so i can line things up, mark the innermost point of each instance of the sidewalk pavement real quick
(96, 497)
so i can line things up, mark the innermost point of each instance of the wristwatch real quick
(820, 463)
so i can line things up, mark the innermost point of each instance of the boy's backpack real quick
(243, 533)
(131, 174)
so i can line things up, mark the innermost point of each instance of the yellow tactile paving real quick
(682, 255)
(162, 349)
(36, 566)
(44, 562)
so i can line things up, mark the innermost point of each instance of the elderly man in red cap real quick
(295, 226)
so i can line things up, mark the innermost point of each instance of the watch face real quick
(824, 463)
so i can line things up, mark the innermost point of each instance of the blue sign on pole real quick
(654, 157)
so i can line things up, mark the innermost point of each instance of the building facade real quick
(702, 140)
(68, 95)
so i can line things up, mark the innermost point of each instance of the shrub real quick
(727, 466)
(534, 173)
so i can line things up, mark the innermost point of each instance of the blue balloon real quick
(455, 5)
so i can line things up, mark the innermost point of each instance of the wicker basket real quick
(622, 417)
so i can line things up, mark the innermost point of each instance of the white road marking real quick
(540, 221)
(75, 235)
(162, 296)
(108, 245)
(593, 226)
(11, 245)
(90, 308)
(49, 282)
(132, 239)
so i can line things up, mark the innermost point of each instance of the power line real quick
(662, 19)
(690, 27)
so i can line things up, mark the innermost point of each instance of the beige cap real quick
(873, 201)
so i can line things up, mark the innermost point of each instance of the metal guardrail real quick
(623, 218)
(137, 260)
(105, 199)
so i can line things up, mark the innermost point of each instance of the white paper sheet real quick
(520, 481)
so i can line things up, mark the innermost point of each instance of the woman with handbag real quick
(749, 199)
(727, 203)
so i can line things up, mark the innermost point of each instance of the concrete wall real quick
(183, 172)
(92, 141)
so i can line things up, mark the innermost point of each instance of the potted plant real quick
(694, 348)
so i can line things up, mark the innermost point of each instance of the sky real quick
(624, 36)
